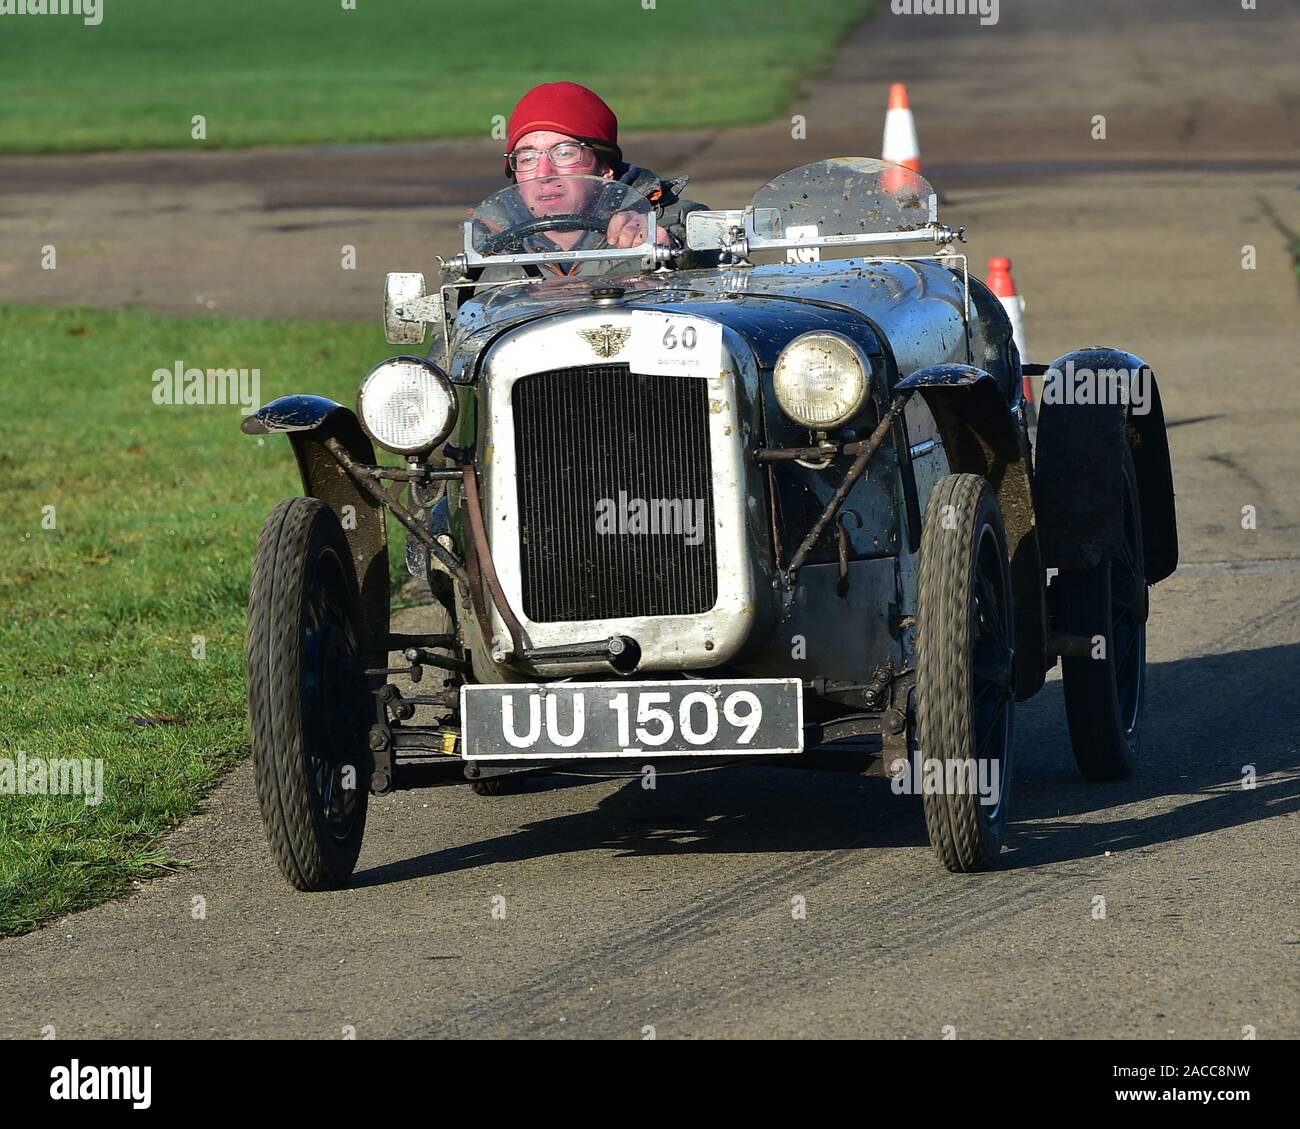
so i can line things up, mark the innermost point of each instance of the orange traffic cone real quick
(900, 145)
(1003, 284)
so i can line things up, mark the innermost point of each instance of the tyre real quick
(308, 702)
(1104, 695)
(492, 786)
(965, 687)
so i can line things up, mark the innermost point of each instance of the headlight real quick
(822, 380)
(407, 405)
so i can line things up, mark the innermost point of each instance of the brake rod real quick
(865, 450)
(359, 476)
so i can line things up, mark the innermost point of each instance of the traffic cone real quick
(900, 146)
(1003, 284)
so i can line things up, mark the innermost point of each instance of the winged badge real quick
(607, 340)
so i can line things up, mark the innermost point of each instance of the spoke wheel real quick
(965, 673)
(1104, 695)
(307, 698)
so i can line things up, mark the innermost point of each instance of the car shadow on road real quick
(1207, 717)
(740, 810)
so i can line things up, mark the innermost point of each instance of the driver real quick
(563, 129)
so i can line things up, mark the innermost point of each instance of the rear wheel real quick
(1105, 693)
(964, 682)
(308, 700)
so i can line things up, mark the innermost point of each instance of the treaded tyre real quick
(308, 701)
(1104, 696)
(964, 682)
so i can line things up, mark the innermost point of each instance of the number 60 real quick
(688, 337)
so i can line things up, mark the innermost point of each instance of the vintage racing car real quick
(768, 495)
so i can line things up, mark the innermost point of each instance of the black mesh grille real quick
(590, 439)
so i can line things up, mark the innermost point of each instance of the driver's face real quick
(548, 190)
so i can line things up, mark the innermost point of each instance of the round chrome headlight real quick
(822, 380)
(407, 405)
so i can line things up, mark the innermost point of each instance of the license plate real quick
(569, 720)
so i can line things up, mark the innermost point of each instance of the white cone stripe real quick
(900, 142)
(1014, 305)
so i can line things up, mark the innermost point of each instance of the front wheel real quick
(964, 678)
(308, 698)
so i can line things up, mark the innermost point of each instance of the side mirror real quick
(407, 309)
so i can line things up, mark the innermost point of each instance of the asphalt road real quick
(671, 909)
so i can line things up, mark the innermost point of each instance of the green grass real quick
(290, 71)
(156, 513)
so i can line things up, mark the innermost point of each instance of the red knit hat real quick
(566, 107)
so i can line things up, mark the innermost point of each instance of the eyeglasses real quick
(564, 155)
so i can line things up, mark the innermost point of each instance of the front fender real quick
(1079, 475)
(309, 421)
(980, 437)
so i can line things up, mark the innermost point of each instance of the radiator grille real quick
(601, 448)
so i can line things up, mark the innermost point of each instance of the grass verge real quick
(126, 537)
(284, 72)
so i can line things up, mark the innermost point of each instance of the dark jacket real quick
(671, 208)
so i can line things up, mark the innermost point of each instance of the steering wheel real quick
(504, 241)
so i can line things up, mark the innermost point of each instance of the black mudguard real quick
(1078, 480)
(980, 436)
(309, 421)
